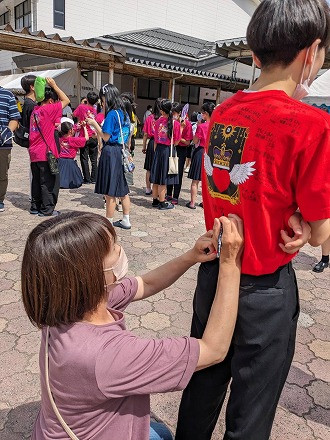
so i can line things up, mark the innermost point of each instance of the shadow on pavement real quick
(20, 421)
(19, 200)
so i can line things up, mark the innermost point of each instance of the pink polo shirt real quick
(46, 116)
(201, 133)
(82, 112)
(187, 133)
(102, 376)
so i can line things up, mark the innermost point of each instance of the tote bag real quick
(173, 161)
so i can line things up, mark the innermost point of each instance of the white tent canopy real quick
(66, 79)
(320, 91)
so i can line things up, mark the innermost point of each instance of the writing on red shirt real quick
(267, 154)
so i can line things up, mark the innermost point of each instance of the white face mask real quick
(303, 88)
(120, 268)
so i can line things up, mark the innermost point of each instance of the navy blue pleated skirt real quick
(195, 172)
(149, 155)
(70, 174)
(110, 178)
(159, 170)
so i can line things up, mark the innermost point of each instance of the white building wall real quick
(210, 20)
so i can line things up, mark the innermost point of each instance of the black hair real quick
(130, 97)
(208, 107)
(92, 98)
(65, 128)
(149, 107)
(112, 98)
(156, 111)
(194, 117)
(50, 94)
(166, 107)
(280, 29)
(26, 82)
(177, 107)
(128, 107)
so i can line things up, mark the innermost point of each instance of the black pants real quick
(258, 361)
(90, 151)
(44, 189)
(182, 155)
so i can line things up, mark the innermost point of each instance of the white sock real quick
(125, 221)
(110, 219)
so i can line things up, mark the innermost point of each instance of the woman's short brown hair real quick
(62, 268)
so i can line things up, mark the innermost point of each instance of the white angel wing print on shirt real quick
(208, 165)
(241, 172)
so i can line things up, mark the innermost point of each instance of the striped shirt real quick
(8, 110)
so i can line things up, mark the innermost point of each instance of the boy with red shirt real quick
(267, 155)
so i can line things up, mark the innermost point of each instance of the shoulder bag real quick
(128, 163)
(66, 428)
(173, 161)
(51, 159)
(21, 136)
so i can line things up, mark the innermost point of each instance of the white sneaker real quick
(187, 170)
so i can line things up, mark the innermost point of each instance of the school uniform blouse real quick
(149, 126)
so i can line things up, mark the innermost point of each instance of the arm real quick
(144, 146)
(13, 124)
(220, 326)
(99, 131)
(86, 132)
(61, 95)
(320, 232)
(164, 276)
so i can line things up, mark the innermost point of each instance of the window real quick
(4, 18)
(59, 14)
(190, 94)
(23, 15)
(149, 88)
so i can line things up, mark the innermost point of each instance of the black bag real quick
(21, 136)
(51, 159)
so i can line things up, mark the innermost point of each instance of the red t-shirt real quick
(267, 155)
(82, 112)
(47, 115)
(201, 133)
(70, 146)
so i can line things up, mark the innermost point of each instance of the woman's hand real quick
(144, 150)
(51, 82)
(232, 238)
(204, 249)
(302, 233)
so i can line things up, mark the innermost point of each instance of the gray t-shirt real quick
(101, 376)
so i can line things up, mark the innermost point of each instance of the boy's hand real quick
(203, 250)
(302, 233)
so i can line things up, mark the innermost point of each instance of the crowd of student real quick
(255, 150)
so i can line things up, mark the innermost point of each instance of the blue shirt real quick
(8, 111)
(111, 126)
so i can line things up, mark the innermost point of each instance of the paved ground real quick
(155, 237)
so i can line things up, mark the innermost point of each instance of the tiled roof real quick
(185, 70)
(169, 41)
